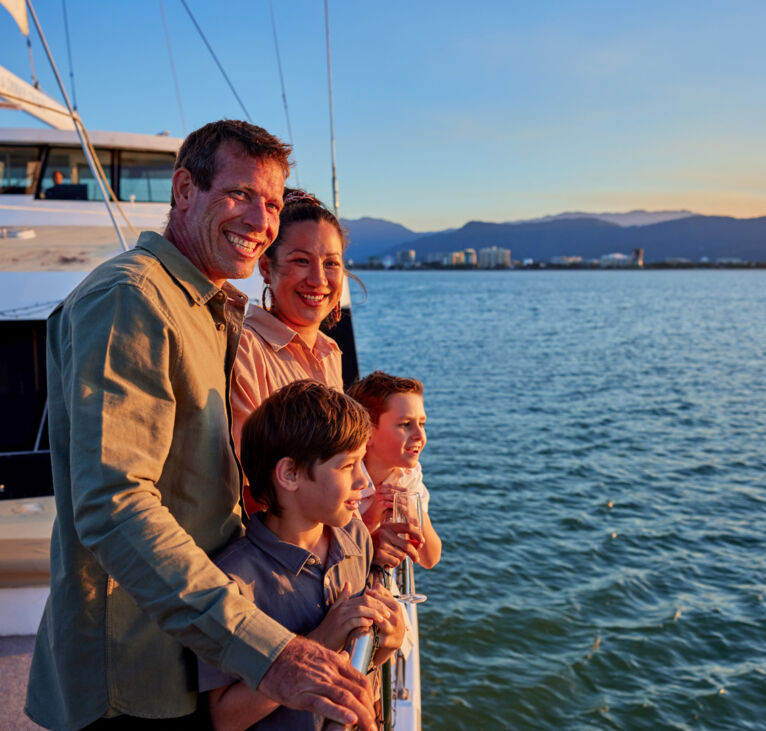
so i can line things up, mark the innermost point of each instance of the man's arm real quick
(344, 699)
(122, 410)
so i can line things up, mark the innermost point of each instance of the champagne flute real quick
(408, 509)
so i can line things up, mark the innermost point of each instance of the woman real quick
(281, 342)
(303, 280)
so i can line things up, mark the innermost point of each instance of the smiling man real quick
(146, 480)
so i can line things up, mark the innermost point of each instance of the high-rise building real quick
(495, 258)
(405, 258)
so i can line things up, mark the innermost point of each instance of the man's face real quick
(229, 226)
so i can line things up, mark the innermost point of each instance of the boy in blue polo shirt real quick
(306, 560)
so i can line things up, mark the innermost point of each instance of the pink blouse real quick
(270, 356)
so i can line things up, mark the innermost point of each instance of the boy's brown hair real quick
(305, 421)
(373, 391)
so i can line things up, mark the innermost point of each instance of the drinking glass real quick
(408, 509)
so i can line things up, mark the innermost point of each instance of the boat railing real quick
(397, 685)
(394, 680)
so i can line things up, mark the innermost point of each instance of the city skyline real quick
(445, 114)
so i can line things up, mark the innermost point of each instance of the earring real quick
(336, 314)
(269, 307)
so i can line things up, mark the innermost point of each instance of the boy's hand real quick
(348, 613)
(384, 494)
(375, 514)
(382, 505)
(391, 547)
(391, 630)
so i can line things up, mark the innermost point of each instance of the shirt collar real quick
(191, 279)
(294, 558)
(278, 335)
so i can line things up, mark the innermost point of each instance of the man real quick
(145, 477)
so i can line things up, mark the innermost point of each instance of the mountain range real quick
(662, 235)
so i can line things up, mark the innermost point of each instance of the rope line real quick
(47, 108)
(18, 312)
(173, 67)
(282, 84)
(69, 55)
(218, 63)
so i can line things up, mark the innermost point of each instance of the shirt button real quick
(221, 326)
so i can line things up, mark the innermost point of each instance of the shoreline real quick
(544, 267)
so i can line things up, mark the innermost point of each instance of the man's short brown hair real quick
(199, 151)
(305, 421)
(373, 391)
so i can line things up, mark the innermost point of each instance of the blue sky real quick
(447, 111)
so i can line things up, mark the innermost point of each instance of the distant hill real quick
(632, 218)
(691, 237)
(662, 235)
(371, 236)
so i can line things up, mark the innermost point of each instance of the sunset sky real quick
(447, 112)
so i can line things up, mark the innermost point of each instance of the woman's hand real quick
(348, 613)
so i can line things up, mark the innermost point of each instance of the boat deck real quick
(15, 657)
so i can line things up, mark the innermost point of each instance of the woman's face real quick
(306, 275)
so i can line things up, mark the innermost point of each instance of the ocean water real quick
(597, 466)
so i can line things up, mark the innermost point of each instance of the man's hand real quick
(308, 677)
(393, 541)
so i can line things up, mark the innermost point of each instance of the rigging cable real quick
(90, 156)
(332, 121)
(35, 82)
(215, 58)
(173, 66)
(69, 54)
(282, 84)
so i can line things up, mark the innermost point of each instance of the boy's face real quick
(400, 435)
(333, 494)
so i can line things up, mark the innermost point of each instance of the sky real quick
(445, 112)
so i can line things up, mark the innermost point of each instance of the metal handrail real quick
(361, 645)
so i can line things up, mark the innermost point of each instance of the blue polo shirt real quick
(290, 584)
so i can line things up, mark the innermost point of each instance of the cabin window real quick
(146, 177)
(22, 386)
(19, 167)
(67, 175)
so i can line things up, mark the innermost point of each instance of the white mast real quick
(332, 119)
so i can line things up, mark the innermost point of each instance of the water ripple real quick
(598, 475)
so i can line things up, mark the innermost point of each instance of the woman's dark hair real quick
(299, 207)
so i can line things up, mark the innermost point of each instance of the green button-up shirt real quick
(147, 485)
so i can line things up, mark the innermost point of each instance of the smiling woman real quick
(303, 278)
